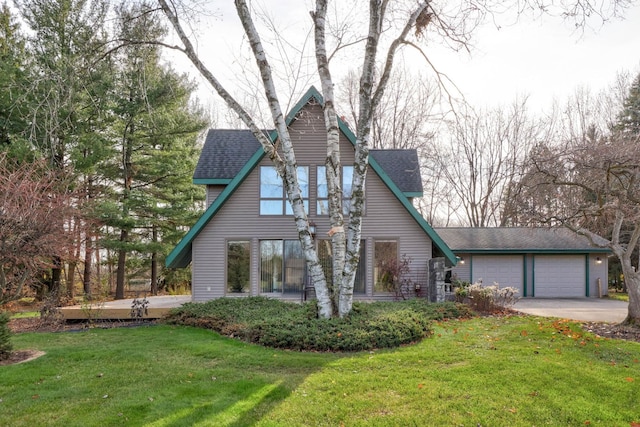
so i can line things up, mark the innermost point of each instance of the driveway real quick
(582, 309)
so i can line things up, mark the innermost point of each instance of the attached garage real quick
(558, 276)
(506, 270)
(539, 262)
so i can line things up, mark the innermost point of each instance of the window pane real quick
(271, 266)
(238, 266)
(386, 257)
(326, 259)
(270, 183)
(271, 207)
(347, 178)
(322, 207)
(294, 266)
(303, 180)
(322, 182)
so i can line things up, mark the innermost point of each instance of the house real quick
(246, 242)
(539, 262)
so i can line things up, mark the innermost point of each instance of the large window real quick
(385, 265)
(273, 198)
(326, 260)
(323, 192)
(238, 266)
(282, 266)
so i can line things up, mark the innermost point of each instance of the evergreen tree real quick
(12, 85)
(157, 133)
(629, 118)
(66, 79)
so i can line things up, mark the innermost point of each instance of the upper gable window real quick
(273, 199)
(323, 193)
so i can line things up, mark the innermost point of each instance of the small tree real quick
(34, 202)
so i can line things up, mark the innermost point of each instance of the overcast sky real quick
(544, 58)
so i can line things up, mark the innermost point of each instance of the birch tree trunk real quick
(333, 163)
(337, 298)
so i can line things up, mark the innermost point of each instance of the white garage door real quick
(507, 270)
(559, 276)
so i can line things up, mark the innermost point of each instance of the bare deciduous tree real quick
(480, 156)
(590, 182)
(34, 202)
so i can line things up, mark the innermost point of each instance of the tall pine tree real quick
(156, 133)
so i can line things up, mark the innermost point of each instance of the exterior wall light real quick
(461, 260)
(598, 260)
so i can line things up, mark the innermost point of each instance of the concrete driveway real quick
(582, 309)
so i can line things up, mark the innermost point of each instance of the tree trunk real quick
(120, 273)
(88, 261)
(154, 262)
(632, 282)
(56, 275)
(71, 271)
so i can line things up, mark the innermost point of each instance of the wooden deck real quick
(122, 309)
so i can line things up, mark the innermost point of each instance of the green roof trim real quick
(532, 251)
(212, 181)
(180, 256)
(413, 194)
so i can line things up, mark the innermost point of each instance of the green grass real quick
(620, 296)
(25, 314)
(496, 371)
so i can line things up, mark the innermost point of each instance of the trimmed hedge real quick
(278, 324)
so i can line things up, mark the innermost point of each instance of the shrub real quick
(487, 298)
(5, 336)
(279, 324)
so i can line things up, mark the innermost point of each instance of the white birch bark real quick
(369, 100)
(345, 246)
(333, 162)
(286, 167)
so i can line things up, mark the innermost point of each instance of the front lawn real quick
(491, 371)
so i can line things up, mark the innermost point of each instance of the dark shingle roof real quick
(403, 168)
(226, 151)
(512, 239)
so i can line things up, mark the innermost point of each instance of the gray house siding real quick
(239, 218)
(213, 191)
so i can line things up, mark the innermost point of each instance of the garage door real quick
(507, 270)
(559, 276)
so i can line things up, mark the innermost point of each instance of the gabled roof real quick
(226, 151)
(515, 240)
(181, 254)
(223, 155)
(403, 168)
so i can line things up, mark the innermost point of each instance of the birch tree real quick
(390, 26)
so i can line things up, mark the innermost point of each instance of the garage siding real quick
(559, 276)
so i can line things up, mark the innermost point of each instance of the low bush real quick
(486, 298)
(279, 324)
